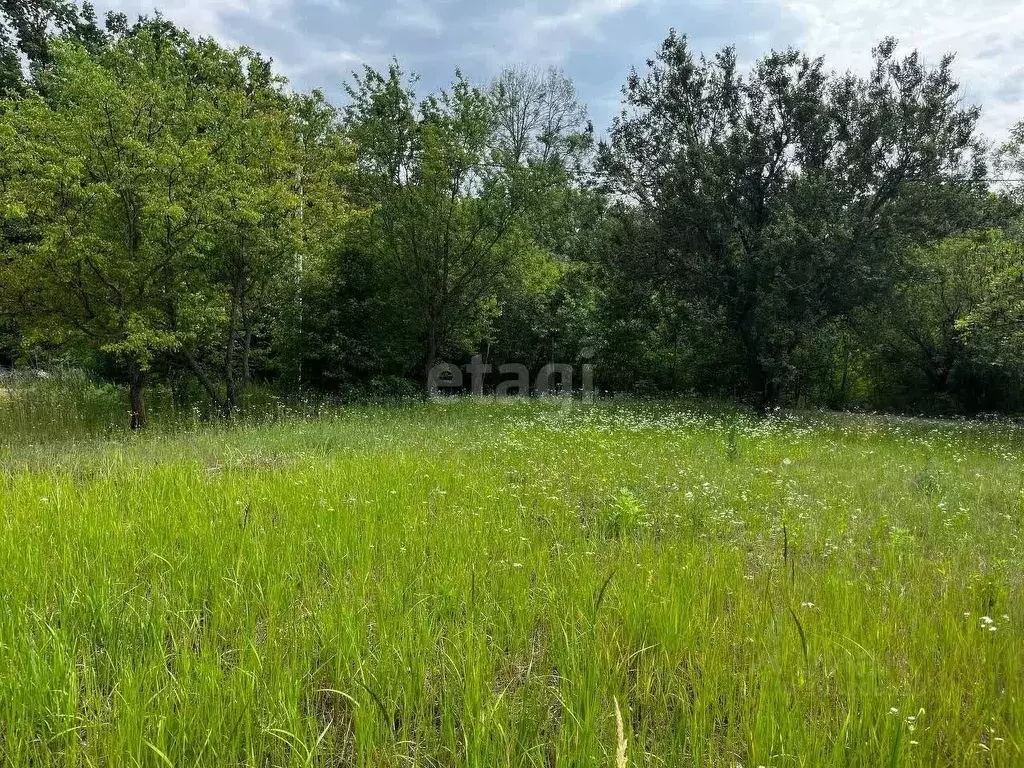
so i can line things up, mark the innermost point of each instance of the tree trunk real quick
(228, 406)
(246, 353)
(204, 379)
(763, 387)
(140, 419)
(231, 389)
(431, 357)
(839, 400)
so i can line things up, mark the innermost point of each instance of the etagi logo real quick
(552, 379)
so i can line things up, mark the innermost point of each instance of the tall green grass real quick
(485, 584)
(68, 405)
(39, 406)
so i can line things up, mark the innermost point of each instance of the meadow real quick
(508, 583)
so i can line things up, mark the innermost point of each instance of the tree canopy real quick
(175, 217)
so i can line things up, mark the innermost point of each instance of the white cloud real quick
(584, 17)
(548, 33)
(341, 61)
(987, 35)
(419, 15)
(201, 17)
(335, 5)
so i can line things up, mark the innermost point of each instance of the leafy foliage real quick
(173, 215)
(776, 202)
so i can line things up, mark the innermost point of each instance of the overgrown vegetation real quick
(174, 216)
(264, 577)
(473, 583)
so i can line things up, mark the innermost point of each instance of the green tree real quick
(11, 78)
(121, 173)
(547, 304)
(279, 201)
(994, 321)
(776, 203)
(448, 202)
(28, 27)
(917, 338)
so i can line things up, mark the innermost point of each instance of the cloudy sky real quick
(319, 42)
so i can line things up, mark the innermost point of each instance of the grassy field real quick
(505, 583)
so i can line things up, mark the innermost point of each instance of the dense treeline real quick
(174, 215)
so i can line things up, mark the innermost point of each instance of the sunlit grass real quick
(479, 584)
